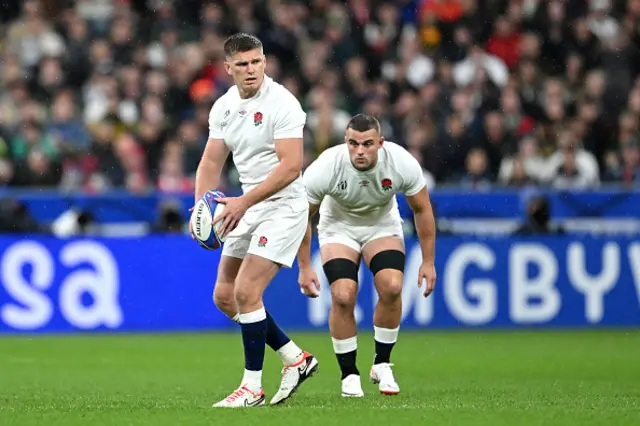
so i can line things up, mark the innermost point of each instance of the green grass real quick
(463, 378)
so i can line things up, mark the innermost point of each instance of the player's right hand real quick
(308, 282)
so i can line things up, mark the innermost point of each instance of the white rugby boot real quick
(351, 386)
(293, 376)
(241, 398)
(382, 376)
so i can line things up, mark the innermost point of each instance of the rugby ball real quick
(204, 212)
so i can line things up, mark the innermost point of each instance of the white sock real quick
(252, 380)
(251, 317)
(345, 345)
(236, 318)
(290, 353)
(386, 335)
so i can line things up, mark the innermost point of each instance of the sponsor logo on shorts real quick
(257, 119)
(262, 241)
(387, 185)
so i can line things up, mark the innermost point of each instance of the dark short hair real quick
(241, 42)
(364, 122)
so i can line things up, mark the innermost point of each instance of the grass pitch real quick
(460, 378)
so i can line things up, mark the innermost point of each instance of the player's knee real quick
(245, 295)
(344, 294)
(223, 297)
(391, 290)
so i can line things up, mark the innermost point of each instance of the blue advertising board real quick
(122, 207)
(165, 283)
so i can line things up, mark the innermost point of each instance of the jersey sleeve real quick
(215, 121)
(317, 180)
(290, 119)
(413, 176)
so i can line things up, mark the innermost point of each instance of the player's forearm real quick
(426, 229)
(277, 180)
(207, 177)
(304, 252)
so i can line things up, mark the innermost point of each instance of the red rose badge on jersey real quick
(262, 241)
(387, 185)
(257, 119)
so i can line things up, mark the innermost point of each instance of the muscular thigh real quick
(385, 257)
(256, 272)
(228, 268)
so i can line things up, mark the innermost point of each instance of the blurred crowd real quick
(100, 94)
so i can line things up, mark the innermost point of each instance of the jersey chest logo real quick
(257, 119)
(387, 185)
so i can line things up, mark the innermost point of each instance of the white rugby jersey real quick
(362, 198)
(250, 127)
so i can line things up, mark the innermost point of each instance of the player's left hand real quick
(234, 209)
(427, 273)
(309, 283)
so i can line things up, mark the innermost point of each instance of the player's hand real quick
(309, 283)
(234, 209)
(427, 274)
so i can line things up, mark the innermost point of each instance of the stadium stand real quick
(103, 95)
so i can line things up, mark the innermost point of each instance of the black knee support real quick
(337, 269)
(387, 259)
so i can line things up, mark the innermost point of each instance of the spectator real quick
(477, 172)
(103, 92)
(532, 170)
(31, 137)
(571, 165)
(505, 42)
(65, 125)
(538, 218)
(625, 168)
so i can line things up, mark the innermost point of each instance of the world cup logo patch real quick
(257, 119)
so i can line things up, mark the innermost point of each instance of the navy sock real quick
(383, 352)
(347, 363)
(276, 338)
(254, 337)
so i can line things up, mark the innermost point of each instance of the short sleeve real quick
(316, 181)
(290, 119)
(215, 121)
(412, 174)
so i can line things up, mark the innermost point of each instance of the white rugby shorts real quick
(331, 231)
(274, 230)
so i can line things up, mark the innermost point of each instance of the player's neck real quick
(247, 94)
